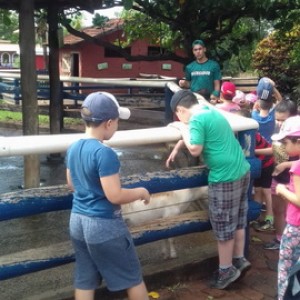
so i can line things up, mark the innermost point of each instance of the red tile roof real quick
(109, 27)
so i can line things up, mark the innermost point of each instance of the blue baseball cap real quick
(102, 106)
(264, 89)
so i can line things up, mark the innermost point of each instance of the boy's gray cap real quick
(178, 96)
(102, 106)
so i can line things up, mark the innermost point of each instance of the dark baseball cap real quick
(264, 89)
(102, 106)
(178, 96)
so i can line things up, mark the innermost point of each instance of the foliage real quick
(9, 24)
(99, 20)
(139, 26)
(277, 57)
(230, 28)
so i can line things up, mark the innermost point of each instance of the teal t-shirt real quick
(203, 75)
(222, 152)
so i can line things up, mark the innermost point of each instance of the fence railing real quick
(41, 200)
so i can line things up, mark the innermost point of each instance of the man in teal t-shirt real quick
(203, 75)
(209, 133)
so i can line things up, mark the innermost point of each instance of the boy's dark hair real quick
(183, 98)
(265, 104)
(287, 106)
(188, 101)
(91, 124)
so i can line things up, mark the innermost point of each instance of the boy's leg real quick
(225, 251)
(138, 292)
(239, 243)
(84, 294)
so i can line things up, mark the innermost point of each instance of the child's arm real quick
(264, 151)
(281, 167)
(294, 198)
(195, 150)
(69, 180)
(171, 158)
(117, 195)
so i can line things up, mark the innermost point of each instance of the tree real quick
(210, 20)
(9, 24)
(99, 20)
(277, 56)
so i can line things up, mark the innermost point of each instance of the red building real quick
(86, 59)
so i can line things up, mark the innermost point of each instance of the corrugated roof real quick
(110, 26)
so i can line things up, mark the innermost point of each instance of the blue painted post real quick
(17, 93)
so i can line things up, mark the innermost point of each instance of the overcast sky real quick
(110, 13)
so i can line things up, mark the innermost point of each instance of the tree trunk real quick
(29, 89)
(56, 102)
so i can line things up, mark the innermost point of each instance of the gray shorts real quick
(228, 207)
(114, 260)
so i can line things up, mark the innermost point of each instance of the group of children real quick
(277, 146)
(103, 246)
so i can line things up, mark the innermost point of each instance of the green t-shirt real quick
(222, 152)
(203, 75)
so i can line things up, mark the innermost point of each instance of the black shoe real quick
(242, 264)
(223, 279)
(274, 245)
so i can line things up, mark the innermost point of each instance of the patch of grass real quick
(12, 116)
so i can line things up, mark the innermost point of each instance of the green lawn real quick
(11, 116)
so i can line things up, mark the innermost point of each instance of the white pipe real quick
(56, 143)
(158, 83)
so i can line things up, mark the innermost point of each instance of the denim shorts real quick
(113, 260)
(228, 207)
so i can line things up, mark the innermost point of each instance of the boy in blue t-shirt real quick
(264, 112)
(103, 245)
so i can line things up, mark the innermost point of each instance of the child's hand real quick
(280, 189)
(278, 169)
(171, 158)
(145, 196)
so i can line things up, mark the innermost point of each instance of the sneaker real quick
(266, 225)
(223, 279)
(241, 264)
(273, 245)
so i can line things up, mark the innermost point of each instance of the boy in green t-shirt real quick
(209, 133)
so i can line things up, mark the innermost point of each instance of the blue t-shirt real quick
(266, 124)
(88, 160)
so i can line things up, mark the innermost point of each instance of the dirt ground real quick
(259, 283)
